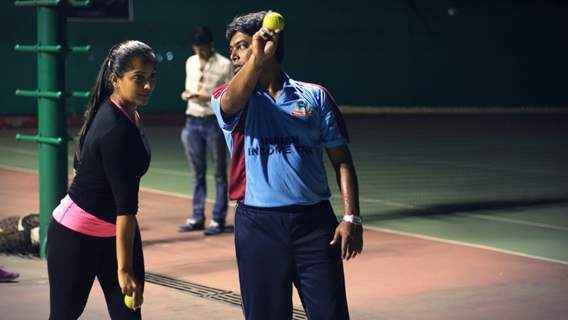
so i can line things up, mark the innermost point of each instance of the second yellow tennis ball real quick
(273, 20)
(129, 302)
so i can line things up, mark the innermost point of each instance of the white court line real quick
(26, 152)
(465, 214)
(36, 154)
(446, 163)
(20, 151)
(516, 221)
(463, 110)
(174, 172)
(18, 169)
(479, 166)
(407, 206)
(167, 193)
(408, 234)
(179, 195)
(411, 159)
(466, 244)
(385, 202)
(168, 163)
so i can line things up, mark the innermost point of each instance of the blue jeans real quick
(199, 136)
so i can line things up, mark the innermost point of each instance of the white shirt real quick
(217, 71)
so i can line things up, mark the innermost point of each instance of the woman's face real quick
(136, 85)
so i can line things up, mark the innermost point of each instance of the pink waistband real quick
(70, 215)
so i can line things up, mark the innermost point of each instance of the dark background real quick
(434, 53)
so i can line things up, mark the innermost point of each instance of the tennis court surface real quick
(466, 215)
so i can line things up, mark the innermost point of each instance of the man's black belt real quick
(205, 118)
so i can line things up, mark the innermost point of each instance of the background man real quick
(205, 71)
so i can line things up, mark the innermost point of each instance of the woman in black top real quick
(94, 231)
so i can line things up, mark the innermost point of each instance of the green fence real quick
(392, 52)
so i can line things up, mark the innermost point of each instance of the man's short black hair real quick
(249, 24)
(201, 35)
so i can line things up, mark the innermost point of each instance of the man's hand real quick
(186, 95)
(351, 236)
(201, 97)
(264, 44)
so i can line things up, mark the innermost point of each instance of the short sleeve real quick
(332, 124)
(227, 123)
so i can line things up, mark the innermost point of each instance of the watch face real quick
(357, 220)
(353, 219)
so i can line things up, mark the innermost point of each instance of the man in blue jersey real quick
(285, 230)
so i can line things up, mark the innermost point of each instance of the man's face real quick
(240, 47)
(204, 51)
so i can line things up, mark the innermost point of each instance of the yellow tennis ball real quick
(273, 20)
(129, 302)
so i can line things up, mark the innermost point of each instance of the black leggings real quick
(73, 262)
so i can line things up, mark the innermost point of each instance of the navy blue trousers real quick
(278, 247)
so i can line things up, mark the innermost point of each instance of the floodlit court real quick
(445, 124)
(466, 216)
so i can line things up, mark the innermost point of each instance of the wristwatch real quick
(353, 219)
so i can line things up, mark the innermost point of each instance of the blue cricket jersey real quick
(277, 145)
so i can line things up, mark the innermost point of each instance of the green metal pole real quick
(51, 115)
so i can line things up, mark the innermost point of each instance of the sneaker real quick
(214, 228)
(7, 276)
(191, 225)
